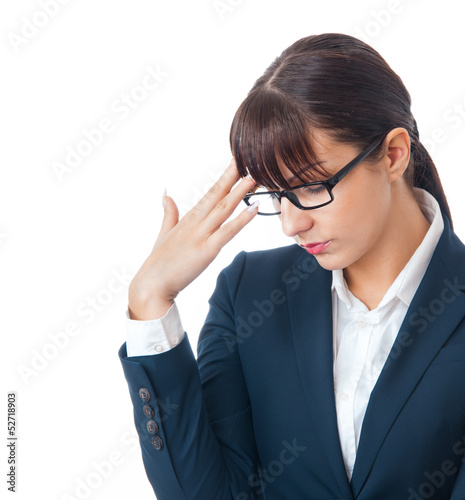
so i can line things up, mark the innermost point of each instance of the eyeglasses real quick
(305, 196)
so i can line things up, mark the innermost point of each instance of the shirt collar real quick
(408, 280)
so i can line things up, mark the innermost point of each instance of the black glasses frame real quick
(328, 183)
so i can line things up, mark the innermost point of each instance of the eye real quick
(314, 189)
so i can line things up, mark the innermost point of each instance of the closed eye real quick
(314, 189)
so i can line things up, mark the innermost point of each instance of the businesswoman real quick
(330, 368)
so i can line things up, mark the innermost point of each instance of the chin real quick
(329, 262)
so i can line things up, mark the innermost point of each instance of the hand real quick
(185, 248)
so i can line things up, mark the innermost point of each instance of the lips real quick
(313, 244)
(316, 248)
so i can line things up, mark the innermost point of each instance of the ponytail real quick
(425, 174)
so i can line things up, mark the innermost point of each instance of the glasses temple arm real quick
(344, 171)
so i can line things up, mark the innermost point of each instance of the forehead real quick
(332, 155)
(329, 149)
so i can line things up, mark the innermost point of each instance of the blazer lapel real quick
(441, 295)
(310, 316)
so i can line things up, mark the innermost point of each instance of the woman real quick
(332, 368)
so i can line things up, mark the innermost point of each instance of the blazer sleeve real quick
(193, 417)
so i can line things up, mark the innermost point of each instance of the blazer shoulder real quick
(451, 252)
(272, 258)
(258, 267)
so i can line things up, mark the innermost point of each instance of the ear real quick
(397, 143)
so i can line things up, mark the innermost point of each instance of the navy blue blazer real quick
(254, 417)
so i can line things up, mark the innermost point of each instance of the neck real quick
(370, 277)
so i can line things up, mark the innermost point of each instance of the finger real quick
(170, 215)
(226, 206)
(221, 187)
(227, 232)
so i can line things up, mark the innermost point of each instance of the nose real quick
(293, 219)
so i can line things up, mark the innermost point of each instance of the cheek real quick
(355, 219)
(360, 211)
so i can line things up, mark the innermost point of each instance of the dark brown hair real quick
(332, 82)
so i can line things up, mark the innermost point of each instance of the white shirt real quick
(362, 339)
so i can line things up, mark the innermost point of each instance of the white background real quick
(63, 238)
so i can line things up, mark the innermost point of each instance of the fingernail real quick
(254, 205)
(164, 199)
(250, 177)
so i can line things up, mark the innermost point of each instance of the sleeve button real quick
(148, 411)
(152, 427)
(157, 443)
(144, 394)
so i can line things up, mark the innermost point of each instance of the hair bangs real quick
(269, 130)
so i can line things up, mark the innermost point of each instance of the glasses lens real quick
(307, 196)
(312, 196)
(269, 204)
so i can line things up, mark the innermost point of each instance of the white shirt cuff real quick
(153, 336)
